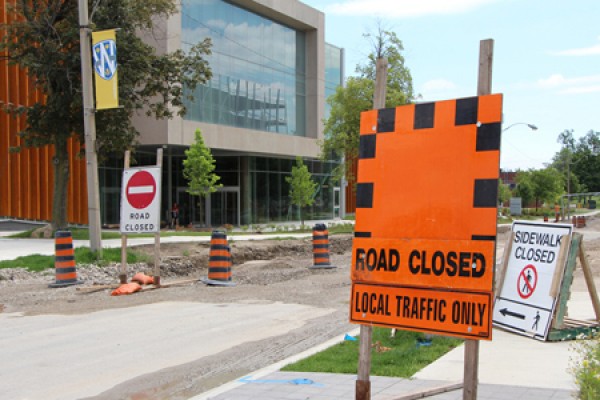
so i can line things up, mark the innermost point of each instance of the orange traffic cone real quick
(321, 248)
(219, 261)
(64, 261)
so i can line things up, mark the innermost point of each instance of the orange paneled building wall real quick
(27, 177)
(351, 187)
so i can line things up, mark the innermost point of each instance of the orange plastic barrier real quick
(142, 279)
(126, 288)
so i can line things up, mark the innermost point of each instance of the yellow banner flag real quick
(104, 48)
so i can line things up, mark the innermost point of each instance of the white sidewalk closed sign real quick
(140, 200)
(526, 302)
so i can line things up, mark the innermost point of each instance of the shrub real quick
(586, 369)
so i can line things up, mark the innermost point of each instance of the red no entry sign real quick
(527, 281)
(141, 190)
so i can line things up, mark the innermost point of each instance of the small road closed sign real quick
(526, 301)
(140, 200)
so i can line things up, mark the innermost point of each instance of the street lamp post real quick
(531, 126)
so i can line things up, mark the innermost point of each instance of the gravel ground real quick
(264, 271)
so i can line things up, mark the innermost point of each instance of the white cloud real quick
(403, 8)
(583, 89)
(582, 51)
(438, 88)
(577, 85)
(438, 85)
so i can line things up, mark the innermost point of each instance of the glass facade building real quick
(258, 69)
(334, 72)
(263, 107)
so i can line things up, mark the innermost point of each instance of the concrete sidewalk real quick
(11, 248)
(510, 367)
(319, 386)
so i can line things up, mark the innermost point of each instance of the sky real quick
(546, 59)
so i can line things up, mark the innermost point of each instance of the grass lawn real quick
(83, 255)
(405, 356)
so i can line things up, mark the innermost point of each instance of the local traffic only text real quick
(452, 313)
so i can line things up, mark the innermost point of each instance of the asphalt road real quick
(75, 356)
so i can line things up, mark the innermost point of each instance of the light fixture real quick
(531, 126)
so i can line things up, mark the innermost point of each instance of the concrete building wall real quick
(219, 137)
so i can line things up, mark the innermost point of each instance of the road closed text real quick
(465, 265)
(139, 222)
(452, 313)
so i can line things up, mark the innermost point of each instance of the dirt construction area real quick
(265, 272)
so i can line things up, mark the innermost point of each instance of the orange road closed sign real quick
(426, 215)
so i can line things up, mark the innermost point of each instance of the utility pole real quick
(89, 124)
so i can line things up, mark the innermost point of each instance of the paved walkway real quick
(510, 367)
(319, 386)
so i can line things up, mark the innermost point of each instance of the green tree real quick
(342, 127)
(524, 188)
(586, 162)
(504, 192)
(302, 187)
(199, 168)
(43, 37)
(544, 185)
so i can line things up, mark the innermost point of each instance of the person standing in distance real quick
(174, 216)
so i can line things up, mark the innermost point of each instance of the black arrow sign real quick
(505, 312)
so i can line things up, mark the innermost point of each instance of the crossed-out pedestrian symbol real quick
(527, 281)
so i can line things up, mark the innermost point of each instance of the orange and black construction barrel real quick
(64, 261)
(321, 247)
(219, 261)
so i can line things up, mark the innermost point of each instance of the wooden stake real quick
(484, 86)
(431, 392)
(486, 58)
(560, 270)
(363, 382)
(123, 269)
(589, 280)
(504, 266)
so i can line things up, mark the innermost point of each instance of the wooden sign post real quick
(363, 382)
(423, 255)
(484, 86)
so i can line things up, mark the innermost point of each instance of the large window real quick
(333, 72)
(269, 197)
(258, 69)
